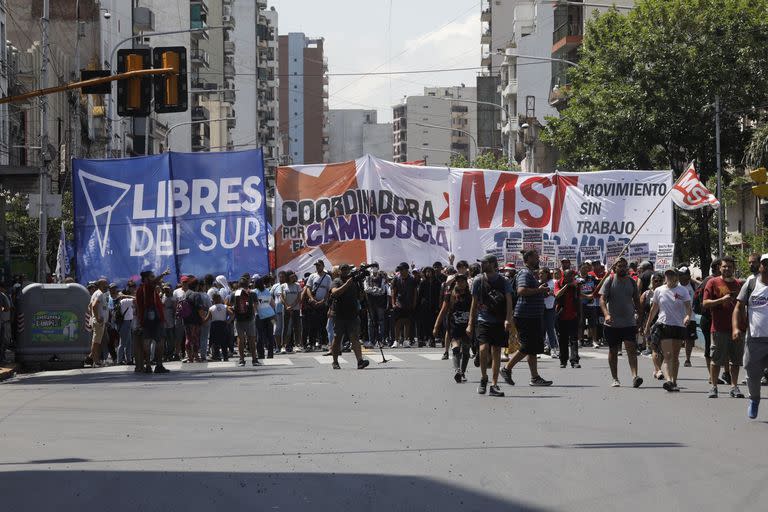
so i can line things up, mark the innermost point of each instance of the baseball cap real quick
(402, 266)
(113, 286)
(510, 266)
(565, 259)
(587, 262)
(684, 270)
(344, 266)
(185, 279)
(488, 258)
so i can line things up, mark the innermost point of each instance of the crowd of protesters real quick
(476, 312)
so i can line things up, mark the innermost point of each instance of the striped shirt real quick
(530, 306)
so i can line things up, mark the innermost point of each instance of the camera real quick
(360, 273)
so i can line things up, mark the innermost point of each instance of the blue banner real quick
(192, 213)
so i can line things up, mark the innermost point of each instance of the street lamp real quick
(170, 128)
(452, 152)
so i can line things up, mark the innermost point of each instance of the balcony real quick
(198, 16)
(485, 59)
(558, 97)
(232, 121)
(486, 15)
(569, 29)
(229, 71)
(228, 21)
(199, 57)
(229, 96)
(510, 89)
(201, 143)
(485, 38)
(229, 47)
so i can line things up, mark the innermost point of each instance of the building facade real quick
(355, 132)
(303, 98)
(436, 126)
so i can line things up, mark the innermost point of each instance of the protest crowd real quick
(481, 312)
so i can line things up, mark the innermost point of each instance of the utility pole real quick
(75, 143)
(44, 157)
(719, 180)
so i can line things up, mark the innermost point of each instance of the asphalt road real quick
(296, 435)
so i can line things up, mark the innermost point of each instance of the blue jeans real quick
(125, 349)
(549, 327)
(205, 331)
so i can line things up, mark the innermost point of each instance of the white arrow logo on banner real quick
(102, 212)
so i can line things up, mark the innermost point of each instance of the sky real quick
(386, 36)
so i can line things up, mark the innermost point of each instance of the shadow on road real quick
(141, 378)
(203, 491)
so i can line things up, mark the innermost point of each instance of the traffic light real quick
(170, 89)
(760, 177)
(134, 95)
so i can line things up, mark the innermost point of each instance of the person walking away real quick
(403, 304)
(265, 317)
(99, 309)
(291, 299)
(528, 312)
(457, 310)
(126, 312)
(620, 303)
(568, 310)
(750, 317)
(317, 288)
(345, 295)
(491, 314)
(719, 299)
(243, 301)
(545, 276)
(375, 287)
(150, 315)
(219, 316)
(653, 346)
(428, 306)
(190, 310)
(672, 302)
(690, 339)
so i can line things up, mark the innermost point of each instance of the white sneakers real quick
(394, 345)
(616, 383)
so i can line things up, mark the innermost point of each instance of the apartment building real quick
(268, 80)
(436, 126)
(303, 98)
(356, 132)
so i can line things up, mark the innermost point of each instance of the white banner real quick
(373, 210)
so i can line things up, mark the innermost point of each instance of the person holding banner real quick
(672, 302)
(528, 314)
(620, 303)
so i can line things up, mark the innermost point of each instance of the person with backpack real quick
(242, 302)
(568, 311)
(149, 324)
(191, 312)
(529, 310)
(456, 308)
(620, 303)
(750, 317)
(490, 317)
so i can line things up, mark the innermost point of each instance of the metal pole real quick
(719, 179)
(75, 143)
(168, 132)
(43, 241)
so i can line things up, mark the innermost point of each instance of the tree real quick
(487, 160)
(642, 95)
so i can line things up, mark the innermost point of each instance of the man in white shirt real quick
(751, 316)
(316, 308)
(99, 309)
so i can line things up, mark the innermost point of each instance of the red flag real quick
(689, 193)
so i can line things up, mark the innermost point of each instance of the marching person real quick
(242, 303)
(690, 340)
(99, 309)
(568, 310)
(219, 316)
(346, 307)
(620, 302)
(720, 297)
(491, 311)
(149, 325)
(672, 302)
(403, 303)
(750, 316)
(456, 308)
(290, 293)
(375, 286)
(528, 313)
(316, 309)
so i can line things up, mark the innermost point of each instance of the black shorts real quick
(591, 316)
(349, 327)
(691, 330)
(673, 332)
(614, 336)
(491, 334)
(458, 331)
(530, 332)
(402, 314)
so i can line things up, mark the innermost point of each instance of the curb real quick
(6, 372)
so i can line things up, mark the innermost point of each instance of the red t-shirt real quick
(568, 301)
(716, 288)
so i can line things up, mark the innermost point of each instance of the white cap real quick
(764, 257)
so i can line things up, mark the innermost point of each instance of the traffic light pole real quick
(42, 250)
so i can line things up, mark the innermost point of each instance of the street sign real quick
(53, 202)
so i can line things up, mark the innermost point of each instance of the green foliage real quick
(487, 160)
(757, 150)
(752, 243)
(642, 95)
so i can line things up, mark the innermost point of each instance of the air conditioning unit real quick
(226, 18)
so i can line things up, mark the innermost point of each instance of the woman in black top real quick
(457, 308)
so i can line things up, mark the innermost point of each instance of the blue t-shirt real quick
(530, 306)
(484, 314)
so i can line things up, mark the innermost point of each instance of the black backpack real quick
(493, 295)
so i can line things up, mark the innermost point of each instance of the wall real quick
(377, 140)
